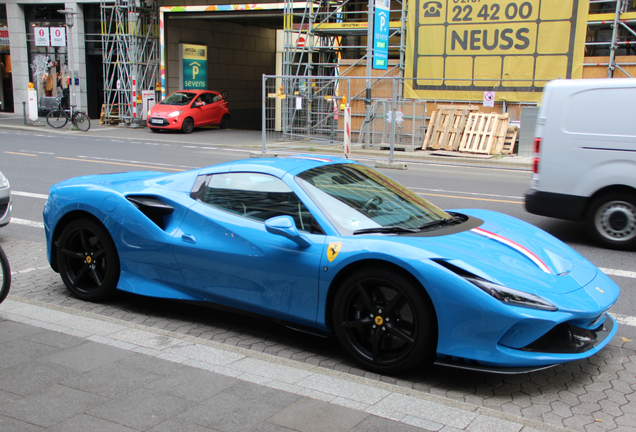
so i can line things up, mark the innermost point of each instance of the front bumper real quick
(564, 343)
(164, 123)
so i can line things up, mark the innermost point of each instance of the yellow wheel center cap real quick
(88, 260)
(379, 320)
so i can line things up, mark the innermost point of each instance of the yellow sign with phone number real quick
(457, 49)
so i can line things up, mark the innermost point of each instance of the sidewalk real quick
(66, 370)
(252, 140)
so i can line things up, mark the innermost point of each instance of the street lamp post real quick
(68, 14)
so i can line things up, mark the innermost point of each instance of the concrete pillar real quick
(19, 58)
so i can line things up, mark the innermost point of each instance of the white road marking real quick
(466, 193)
(135, 162)
(29, 223)
(624, 319)
(29, 194)
(621, 273)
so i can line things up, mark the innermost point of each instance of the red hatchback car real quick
(186, 109)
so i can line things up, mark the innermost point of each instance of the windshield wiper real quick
(386, 230)
(453, 220)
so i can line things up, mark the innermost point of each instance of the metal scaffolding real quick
(324, 32)
(130, 56)
(330, 38)
(611, 37)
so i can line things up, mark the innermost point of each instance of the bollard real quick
(24, 113)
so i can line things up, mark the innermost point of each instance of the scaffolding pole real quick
(615, 43)
(318, 35)
(130, 57)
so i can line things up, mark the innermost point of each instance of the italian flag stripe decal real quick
(516, 246)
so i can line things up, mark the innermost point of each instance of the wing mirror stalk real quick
(286, 227)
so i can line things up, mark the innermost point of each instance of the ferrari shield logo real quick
(332, 251)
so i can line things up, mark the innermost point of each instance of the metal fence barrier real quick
(305, 113)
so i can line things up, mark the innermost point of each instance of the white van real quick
(585, 157)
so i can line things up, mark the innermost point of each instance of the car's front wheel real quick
(611, 220)
(187, 126)
(385, 321)
(87, 260)
(225, 122)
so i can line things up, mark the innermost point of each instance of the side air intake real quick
(153, 208)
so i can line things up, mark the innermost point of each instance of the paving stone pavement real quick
(597, 394)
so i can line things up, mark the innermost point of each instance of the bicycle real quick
(5, 275)
(58, 117)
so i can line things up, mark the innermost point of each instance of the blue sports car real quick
(332, 246)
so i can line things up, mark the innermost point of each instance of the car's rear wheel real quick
(187, 126)
(385, 321)
(87, 260)
(611, 220)
(225, 122)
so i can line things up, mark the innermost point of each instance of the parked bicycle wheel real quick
(5, 275)
(56, 119)
(82, 121)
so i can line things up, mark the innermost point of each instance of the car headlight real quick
(174, 114)
(512, 296)
(4, 182)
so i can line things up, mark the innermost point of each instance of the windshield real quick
(356, 197)
(178, 98)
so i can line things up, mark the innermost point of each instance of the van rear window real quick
(602, 112)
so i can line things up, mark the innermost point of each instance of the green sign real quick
(193, 66)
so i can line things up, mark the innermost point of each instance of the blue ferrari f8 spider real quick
(333, 246)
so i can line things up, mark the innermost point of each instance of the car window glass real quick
(256, 196)
(356, 197)
(179, 98)
(207, 98)
(215, 98)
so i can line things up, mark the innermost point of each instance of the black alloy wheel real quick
(87, 260)
(225, 122)
(187, 126)
(385, 321)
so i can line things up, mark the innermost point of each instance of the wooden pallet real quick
(113, 119)
(485, 133)
(511, 139)
(445, 127)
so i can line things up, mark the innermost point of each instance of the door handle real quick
(188, 238)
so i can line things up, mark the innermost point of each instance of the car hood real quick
(160, 109)
(513, 253)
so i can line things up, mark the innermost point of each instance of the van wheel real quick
(611, 220)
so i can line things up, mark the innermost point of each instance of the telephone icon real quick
(432, 9)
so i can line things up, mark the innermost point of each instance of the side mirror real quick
(286, 227)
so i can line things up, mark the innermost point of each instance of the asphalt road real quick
(589, 395)
(33, 161)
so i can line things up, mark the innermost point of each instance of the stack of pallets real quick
(446, 126)
(485, 133)
(113, 119)
(462, 129)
